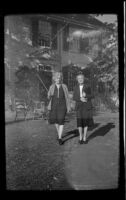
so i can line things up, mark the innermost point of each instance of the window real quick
(77, 44)
(65, 37)
(34, 32)
(54, 35)
(44, 33)
(43, 40)
(84, 45)
(71, 81)
(69, 76)
(74, 43)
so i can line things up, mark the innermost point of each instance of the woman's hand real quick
(69, 110)
(83, 99)
(50, 96)
(84, 94)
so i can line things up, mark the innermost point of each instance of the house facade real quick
(48, 38)
(54, 31)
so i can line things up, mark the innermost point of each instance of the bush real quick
(27, 85)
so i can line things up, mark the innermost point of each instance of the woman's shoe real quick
(80, 141)
(60, 141)
(85, 141)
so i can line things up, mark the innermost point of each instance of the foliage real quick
(105, 65)
(26, 85)
(18, 46)
(17, 41)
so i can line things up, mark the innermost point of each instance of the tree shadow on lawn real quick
(17, 121)
(24, 120)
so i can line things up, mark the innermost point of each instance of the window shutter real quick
(65, 36)
(53, 34)
(34, 32)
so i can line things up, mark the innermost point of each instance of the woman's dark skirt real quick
(84, 116)
(58, 112)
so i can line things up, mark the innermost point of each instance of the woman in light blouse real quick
(59, 104)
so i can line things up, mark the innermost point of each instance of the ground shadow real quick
(102, 131)
(69, 135)
(74, 133)
(93, 127)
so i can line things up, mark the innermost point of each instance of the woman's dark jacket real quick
(89, 96)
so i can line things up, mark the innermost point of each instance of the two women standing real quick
(59, 106)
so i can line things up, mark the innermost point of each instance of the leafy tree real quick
(18, 46)
(105, 66)
(26, 85)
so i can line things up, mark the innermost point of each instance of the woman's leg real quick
(80, 132)
(61, 119)
(57, 128)
(80, 122)
(80, 128)
(85, 133)
(60, 131)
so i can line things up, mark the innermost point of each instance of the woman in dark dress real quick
(59, 104)
(82, 95)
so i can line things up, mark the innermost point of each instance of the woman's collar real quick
(58, 85)
(81, 84)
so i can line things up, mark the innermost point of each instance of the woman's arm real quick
(67, 97)
(50, 93)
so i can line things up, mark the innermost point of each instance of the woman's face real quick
(58, 80)
(80, 79)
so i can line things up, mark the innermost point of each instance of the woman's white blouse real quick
(81, 88)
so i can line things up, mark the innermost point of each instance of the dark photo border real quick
(93, 8)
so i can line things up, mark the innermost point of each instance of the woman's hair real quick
(57, 74)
